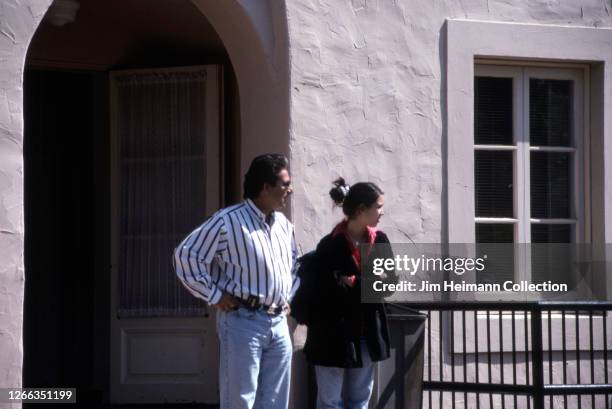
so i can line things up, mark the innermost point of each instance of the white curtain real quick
(161, 124)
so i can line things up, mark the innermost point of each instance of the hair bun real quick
(339, 192)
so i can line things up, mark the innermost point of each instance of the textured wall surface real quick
(18, 21)
(367, 97)
(256, 38)
(368, 102)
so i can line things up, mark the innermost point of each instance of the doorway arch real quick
(255, 39)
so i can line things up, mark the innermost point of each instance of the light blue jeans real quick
(255, 360)
(357, 382)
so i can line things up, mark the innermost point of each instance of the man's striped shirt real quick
(237, 252)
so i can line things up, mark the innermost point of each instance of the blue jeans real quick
(358, 384)
(255, 360)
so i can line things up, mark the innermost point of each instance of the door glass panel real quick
(161, 124)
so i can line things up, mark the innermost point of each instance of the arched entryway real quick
(86, 324)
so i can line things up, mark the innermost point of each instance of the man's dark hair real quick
(263, 169)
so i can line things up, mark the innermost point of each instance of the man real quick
(241, 262)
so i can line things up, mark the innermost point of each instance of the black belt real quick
(253, 304)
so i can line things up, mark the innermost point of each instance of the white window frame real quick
(468, 41)
(521, 148)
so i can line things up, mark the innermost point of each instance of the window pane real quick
(493, 110)
(551, 258)
(550, 185)
(494, 233)
(500, 258)
(172, 104)
(493, 183)
(551, 233)
(550, 112)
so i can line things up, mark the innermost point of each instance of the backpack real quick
(303, 302)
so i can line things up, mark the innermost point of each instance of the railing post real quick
(537, 357)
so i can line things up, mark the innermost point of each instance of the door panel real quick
(166, 180)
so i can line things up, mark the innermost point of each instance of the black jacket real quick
(339, 319)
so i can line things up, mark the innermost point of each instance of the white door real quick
(166, 179)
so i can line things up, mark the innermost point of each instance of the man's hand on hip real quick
(226, 303)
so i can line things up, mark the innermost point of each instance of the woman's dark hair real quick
(263, 169)
(351, 198)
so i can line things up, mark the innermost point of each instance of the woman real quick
(345, 336)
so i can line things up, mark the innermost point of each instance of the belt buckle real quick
(275, 309)
(252, 302)
(272, 310)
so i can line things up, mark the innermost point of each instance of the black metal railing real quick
(517, 355)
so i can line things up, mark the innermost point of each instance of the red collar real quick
(341, 228)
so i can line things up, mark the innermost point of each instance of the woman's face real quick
(371, 215)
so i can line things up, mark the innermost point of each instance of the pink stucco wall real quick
(368, 100)
(255, 37)
(363, 98)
